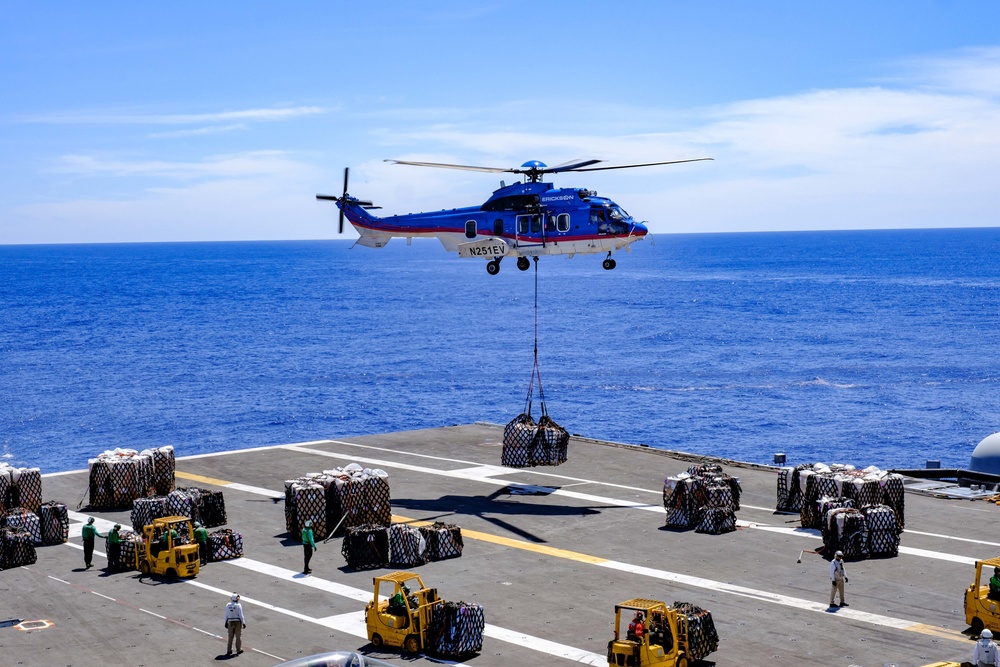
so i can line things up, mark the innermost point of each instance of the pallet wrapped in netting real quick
(518, 436)
(443, 540)
(407, 546)
(550, 443)
(716, 521)
(212, 508)
(17, 548)
(118, 477)
(457, 629)
(831, 535)
(305, 500)
(20, 487)
(365, 547)
(182, 502)
(702, 635)
(224, 544)
(54, 517)
(893, 496)
(164, 467)
(130, 544)
(681, 500)
(22, 519)
(883, 530)
(144, 510)
(851, 532)
(337, 499)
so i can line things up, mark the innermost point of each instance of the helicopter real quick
(526, 219)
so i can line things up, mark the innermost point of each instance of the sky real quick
(135, 122)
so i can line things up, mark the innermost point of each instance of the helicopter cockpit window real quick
(562, 222)
(470, 229)
(617, 213)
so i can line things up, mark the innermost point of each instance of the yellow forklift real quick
(648, 633)
(168, 548)
(404, 619)
(982, 610)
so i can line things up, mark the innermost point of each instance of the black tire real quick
(144, 568)
(977, 625)
(377, 640)
(523, 263)
(411, 644)
(493, 267)
(682, 661)
(608, 264)
(171, 573)
(613, 263)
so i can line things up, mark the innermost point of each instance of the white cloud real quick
(116, 118)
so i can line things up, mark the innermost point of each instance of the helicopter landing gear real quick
(493, 266)
(609, 263)
(523, 263)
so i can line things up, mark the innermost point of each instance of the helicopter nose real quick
(639, 229)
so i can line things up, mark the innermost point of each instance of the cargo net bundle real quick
(119, 476)
(860, 533)
(17, 548)
(337, 499)
(457, 629)
(704, 498)
(702, 635)
(204, 505)
(800, 489)
(400, 544)
(130, 544)
(23, 520)
(55, 522)
(20, 487)
(224, 544)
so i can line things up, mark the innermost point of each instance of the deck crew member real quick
(308, 546)
(837, 578)
(201, 537)
(235, 623)
(89, 533)
(115, 547)
(985, 654)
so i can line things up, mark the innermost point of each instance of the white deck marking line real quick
(951, 537)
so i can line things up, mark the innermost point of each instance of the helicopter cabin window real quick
(562, 222)
(550, 223)
(470, 229)
(498, 227)
(526, 222)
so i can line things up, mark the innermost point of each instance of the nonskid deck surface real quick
(548, 553)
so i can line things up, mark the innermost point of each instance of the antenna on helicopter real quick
(344, 199)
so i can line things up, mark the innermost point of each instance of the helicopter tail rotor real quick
(343, 199)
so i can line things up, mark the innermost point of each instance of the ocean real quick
(871, 348)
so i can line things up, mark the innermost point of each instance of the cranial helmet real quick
(986, 634)
(235, 597)
(90, 520)
(197, 524)
(839, 553)
(118, 526)
(309, 523)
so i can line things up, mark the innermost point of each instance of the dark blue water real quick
(863, 347)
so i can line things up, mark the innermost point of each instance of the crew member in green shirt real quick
(115, 548)
(308, 545)
(201, 537)
(89, 533)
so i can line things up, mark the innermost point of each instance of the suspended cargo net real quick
(525, 443)
(457, 629)
(17, 548)
(224, 544)
(22, 519)
(20, 487)
(55, 522)
(337, 499)
(702, 635)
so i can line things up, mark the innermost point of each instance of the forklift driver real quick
(636, 628)
(994, 593)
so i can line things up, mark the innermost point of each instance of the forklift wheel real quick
(682, 661)
(977, 626)
(377, 640)
(144, 568)
(411, 644)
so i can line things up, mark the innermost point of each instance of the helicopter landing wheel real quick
(609, 264)
(523, 263)
(493, 267)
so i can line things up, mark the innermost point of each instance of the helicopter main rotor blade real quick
(647, 164)
(572, 165)
(328, 197)
(442, 165)
(340, 222)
